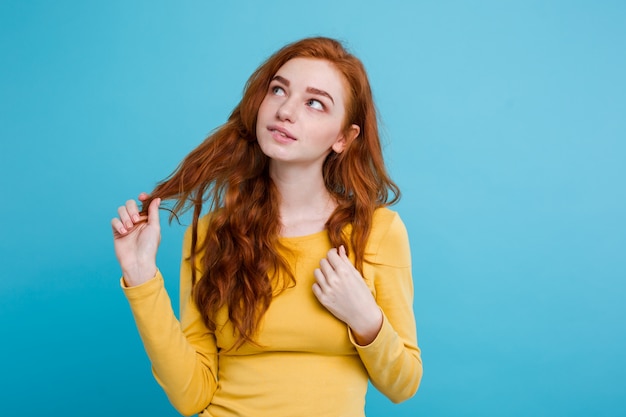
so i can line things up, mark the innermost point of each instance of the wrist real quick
(365, 331)
(138, 274)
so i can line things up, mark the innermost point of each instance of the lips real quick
(280, 133)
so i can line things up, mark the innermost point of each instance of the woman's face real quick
(303, 113)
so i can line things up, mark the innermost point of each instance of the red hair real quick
(230, 172)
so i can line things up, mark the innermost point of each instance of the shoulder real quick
(388, 242)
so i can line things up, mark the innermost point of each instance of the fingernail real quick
(129, 225)
(123, 230)
(136, 218)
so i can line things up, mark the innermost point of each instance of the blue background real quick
(504, 126)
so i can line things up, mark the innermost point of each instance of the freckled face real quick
(302, 115)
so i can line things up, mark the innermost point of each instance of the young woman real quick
(296, 286)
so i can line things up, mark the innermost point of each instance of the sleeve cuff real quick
(384, 328)
(142, 290)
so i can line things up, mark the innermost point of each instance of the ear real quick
(346, 138)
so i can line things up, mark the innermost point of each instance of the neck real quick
(305, 203)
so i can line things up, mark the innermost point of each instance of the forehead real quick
(315, 73)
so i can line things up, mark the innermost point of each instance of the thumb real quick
(153, 212)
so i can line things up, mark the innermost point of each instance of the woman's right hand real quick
(136, 240)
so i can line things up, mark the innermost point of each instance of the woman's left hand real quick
(341, 289)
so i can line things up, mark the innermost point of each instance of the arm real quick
(183, 355)
(378, 309)
(393, 359)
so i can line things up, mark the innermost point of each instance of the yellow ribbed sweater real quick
(308, 363)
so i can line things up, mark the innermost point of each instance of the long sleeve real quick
(183, 354)
(393, 359)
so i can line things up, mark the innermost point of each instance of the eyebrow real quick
(311, 90)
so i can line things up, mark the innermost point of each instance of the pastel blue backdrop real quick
(505, 126)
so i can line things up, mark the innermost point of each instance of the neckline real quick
(312, 236)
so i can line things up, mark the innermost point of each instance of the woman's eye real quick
(315, 104)
(278, 91)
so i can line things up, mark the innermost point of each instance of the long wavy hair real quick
(239, 255)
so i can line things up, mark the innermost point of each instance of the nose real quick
(286, 111)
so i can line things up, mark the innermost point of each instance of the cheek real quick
(261, 115)
(330, 131)
(261, 108)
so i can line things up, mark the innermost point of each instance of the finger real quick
(320, 279)
(124, 217)
(327, 270)
(317, 291)
(118, 227)
(333, 258)
(143, 196)
(133, 210)
(344, 257)
(153, 212)
(340, 264)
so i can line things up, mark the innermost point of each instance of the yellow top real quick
(308, 363)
